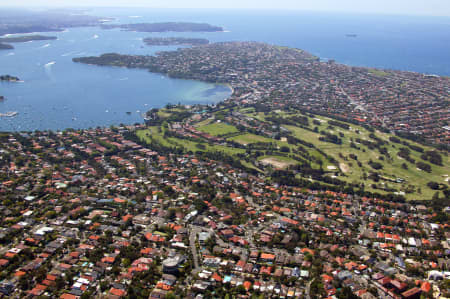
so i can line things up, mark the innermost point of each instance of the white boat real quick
(9, 114)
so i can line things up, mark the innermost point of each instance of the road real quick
(192, 237)
(308, 289)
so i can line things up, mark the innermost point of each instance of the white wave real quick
(67, 54)
(47, 65)
(123, 79)
(135, 17)
(45, 46)
(226, 31)
(95, 36)
(10, 54)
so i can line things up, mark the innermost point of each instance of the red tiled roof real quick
(68, 296)
(117, 292)
(267, 256)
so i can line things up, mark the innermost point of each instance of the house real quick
(413, 293)
(171, 265)
(267, 257)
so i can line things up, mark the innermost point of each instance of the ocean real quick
(57, 94)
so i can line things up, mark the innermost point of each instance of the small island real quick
(175, 41)
(9, 78)
(165, 27)
(26, 38)
(5, 47)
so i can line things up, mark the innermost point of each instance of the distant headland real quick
(6, 47)
(9, 78)
(44, 21)
(26, 38)
(175, 41)
(165, 27)
(21, 39)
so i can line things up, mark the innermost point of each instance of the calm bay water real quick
(57, 93)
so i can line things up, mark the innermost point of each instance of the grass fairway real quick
(218, 129)
(249, 138)
(352, 161)
(153, 133)
(391, 169)
(277, 162)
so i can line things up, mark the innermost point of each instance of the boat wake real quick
(67, 54)
(44, 46)
(123, 79)
(135, 17)
(10, 54)
(48, 65)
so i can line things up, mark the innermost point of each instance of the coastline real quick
(231, 87)
(232, 90)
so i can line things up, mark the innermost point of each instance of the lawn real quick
(218, 129)
(378, 73)
(188, 145)
(249, 138)
(279, 162)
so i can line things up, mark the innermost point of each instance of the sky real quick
(401, 7)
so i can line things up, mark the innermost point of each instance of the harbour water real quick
(57, 93)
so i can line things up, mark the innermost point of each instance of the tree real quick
(24, 283)
(285, 149)
(346, 293)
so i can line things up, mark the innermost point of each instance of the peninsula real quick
(175, 41)
(405, 102)
(6, 46)
(13, 21)
(165, 27)
(26, 38)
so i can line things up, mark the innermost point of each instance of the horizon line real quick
(289, 10)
